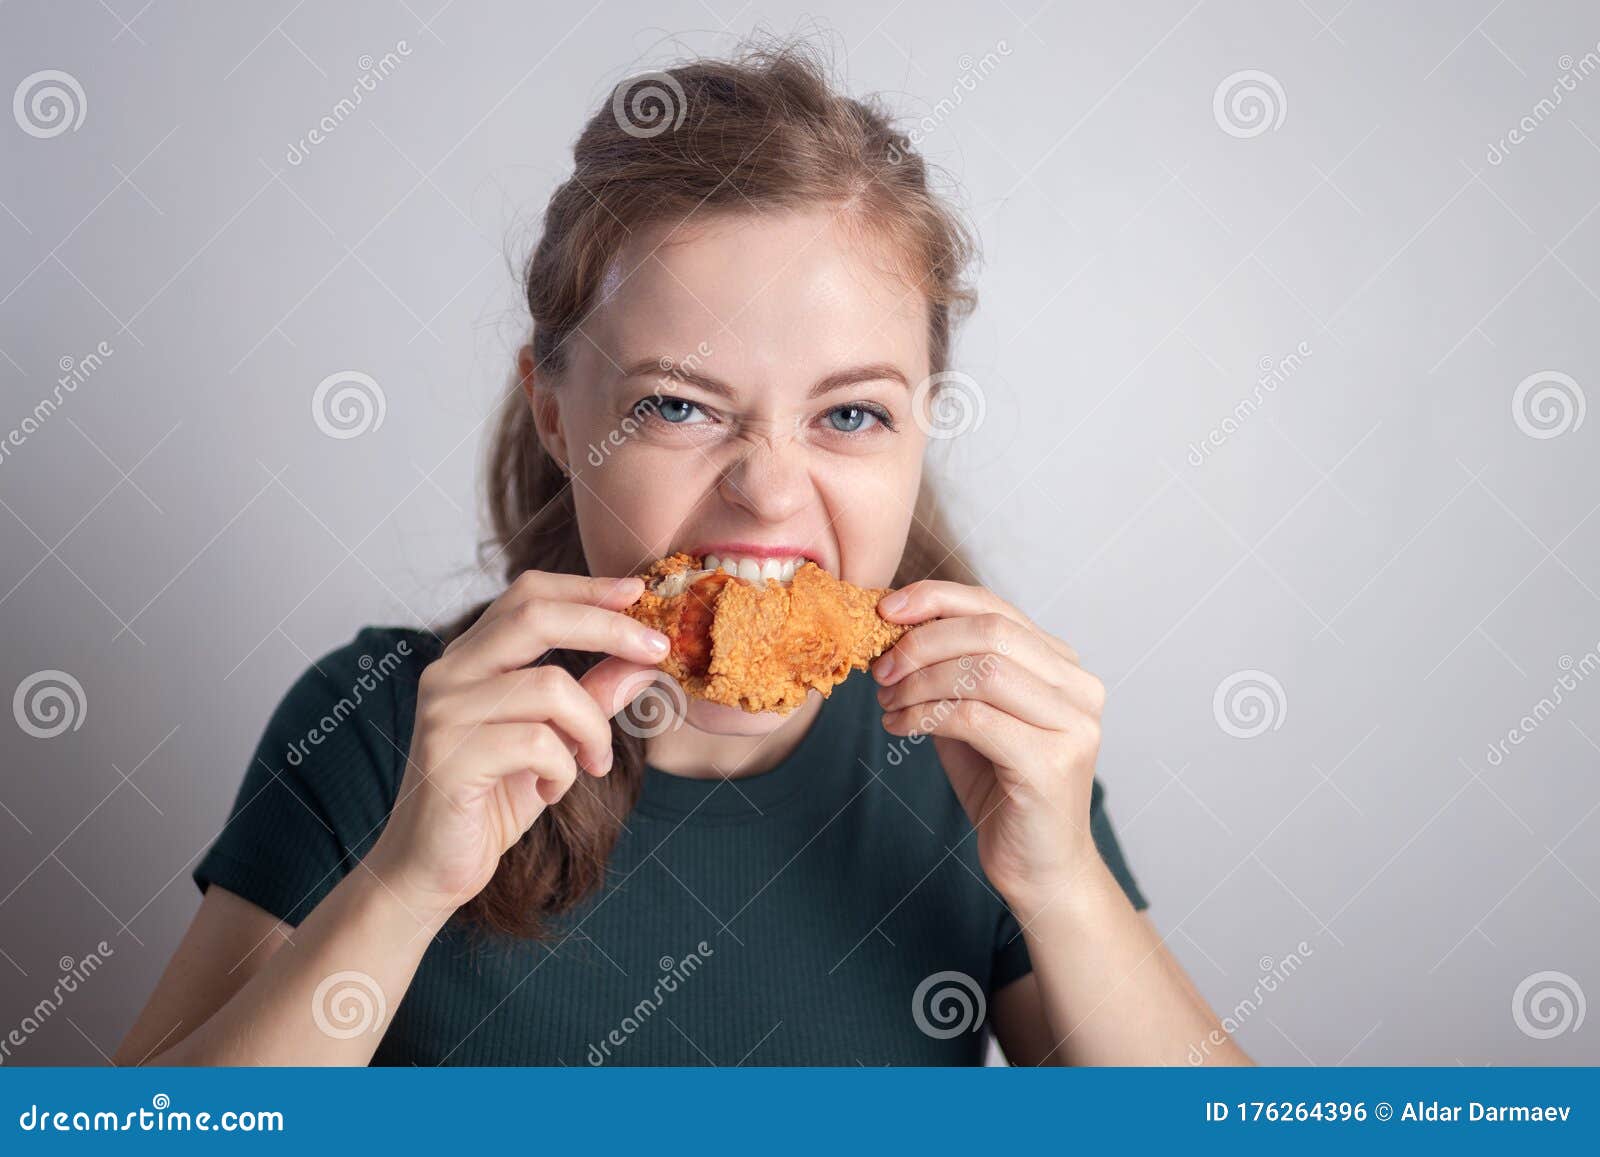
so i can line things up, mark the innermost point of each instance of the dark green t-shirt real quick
(830, 911)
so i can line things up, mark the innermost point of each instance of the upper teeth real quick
(755, 569)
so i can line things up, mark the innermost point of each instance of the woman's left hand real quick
(1016, 723)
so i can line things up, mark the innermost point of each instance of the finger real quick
(524, 633)
(937, 598)
(614, 683)
(612, 593)
(542, 694)
(483, 753)
(997, 735)
(978, 634)
(992, 679)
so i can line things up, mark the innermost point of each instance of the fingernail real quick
(657, 643)
(894, 602)
(883, 668)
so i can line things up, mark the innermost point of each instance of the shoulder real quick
(351, 711)
(365, 678)
(324, 775)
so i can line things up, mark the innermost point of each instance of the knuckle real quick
(545, 679)
(527, 745)
(530, 612)
(554, 761)
(993, 630)
(542, 744)
(430, 679)
(622, 631)
(524, 584)
(995, 673)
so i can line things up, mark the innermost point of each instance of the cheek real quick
(869, 506)
(632, 505)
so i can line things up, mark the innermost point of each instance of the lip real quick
(756, 550)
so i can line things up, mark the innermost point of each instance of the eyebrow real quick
(651, 367)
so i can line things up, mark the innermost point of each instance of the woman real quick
(733, 307)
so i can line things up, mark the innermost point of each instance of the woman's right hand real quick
(497, 741)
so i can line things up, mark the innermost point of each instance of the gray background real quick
(1382, 535)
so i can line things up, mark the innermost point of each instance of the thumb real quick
(614, 683)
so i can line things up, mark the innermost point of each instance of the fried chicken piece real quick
(761, 645)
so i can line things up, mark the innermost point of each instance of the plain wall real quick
(1387, 542)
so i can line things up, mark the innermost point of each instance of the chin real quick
(717, 719)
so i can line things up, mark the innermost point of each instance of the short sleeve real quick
(322, 780)
(1105, 839)
(1011, 960)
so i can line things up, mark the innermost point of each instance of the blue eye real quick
(854, 419)
(675, 411)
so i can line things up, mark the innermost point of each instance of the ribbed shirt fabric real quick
(830, 911)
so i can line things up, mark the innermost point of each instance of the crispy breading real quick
(762, 646)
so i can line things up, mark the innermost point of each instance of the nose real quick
(770, 480)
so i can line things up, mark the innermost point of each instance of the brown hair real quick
(764, 129)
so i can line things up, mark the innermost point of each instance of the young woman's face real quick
(744, 388)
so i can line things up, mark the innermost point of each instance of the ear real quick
(546, 406)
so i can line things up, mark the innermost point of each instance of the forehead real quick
(769, 297)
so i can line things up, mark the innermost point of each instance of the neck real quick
(696, 754)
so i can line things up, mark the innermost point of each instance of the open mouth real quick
(749, 568)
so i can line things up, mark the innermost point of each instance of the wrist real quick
(1075, 897)
(386, 884)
